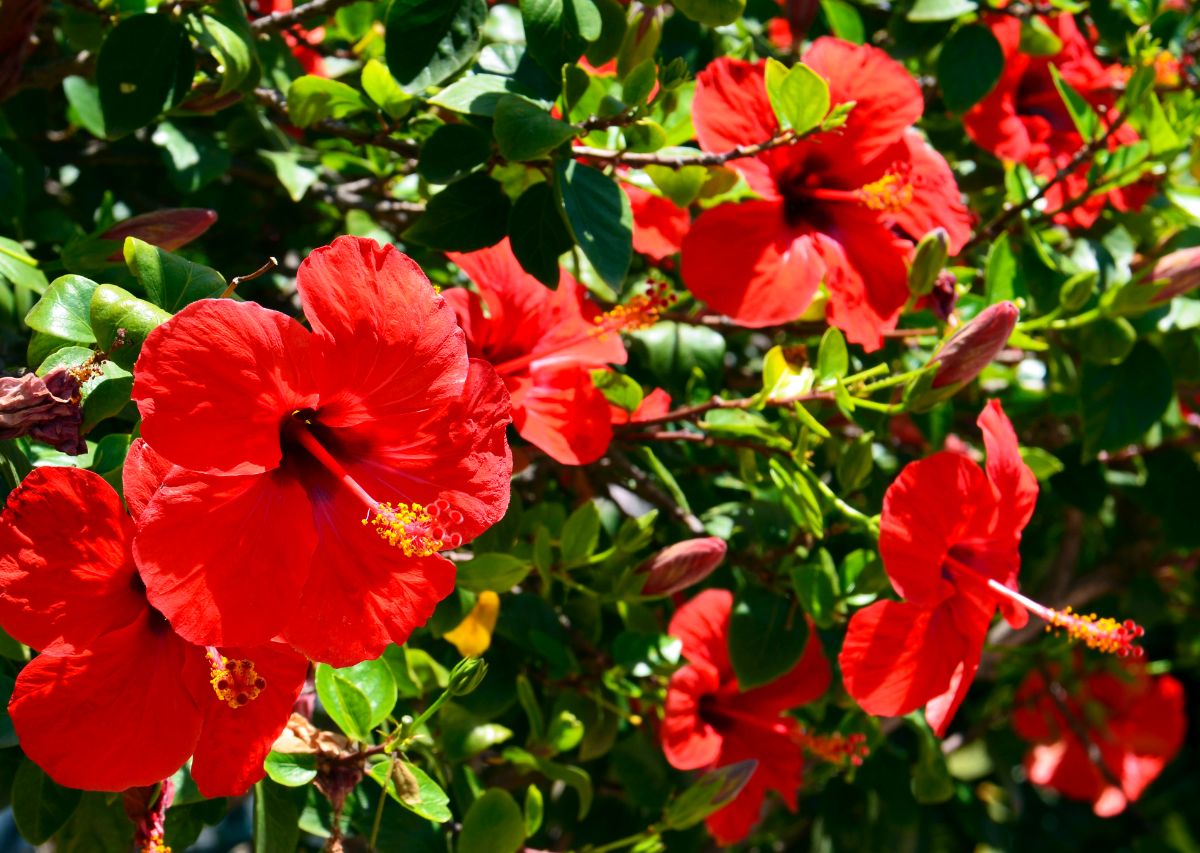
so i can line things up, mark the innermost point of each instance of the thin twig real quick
(276, 102)
(238, 279)
(678, 161)
(687, 413)
(283, 20)
(651, 491)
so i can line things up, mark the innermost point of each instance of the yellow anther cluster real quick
(155, 844)
(408, 527)
(236, 682)
(1104, 634)
(891, 193)
(640, 312)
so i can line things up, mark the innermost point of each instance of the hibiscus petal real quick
(235, 741)
(689, 742)
(897, 656)
(66, 573)
(936, 201)
(972, 615)
(215, 383)
(113, 717)
(141, 475)
(659, 226)
(563, 412)
(731, 108)
(702, 625)
(392, 347)
(887, 100)
(747, 263)
(926, 510)
(1015, 482)
(225, 558)
(780, 769)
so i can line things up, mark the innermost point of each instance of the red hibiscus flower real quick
(318, 473)
(545, 344)
(659, 226)
(1133, 721)
(710, 722)
(138, 698)
(844, 207)
(949, 537)
(653, 406)
(1024, 120)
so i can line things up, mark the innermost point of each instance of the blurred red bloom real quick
(949, 540)
(845, 207)
(1134, 721)
(545, 344)
(116, 698)
(710, 722)
(659, 226)
(654, 405)
(285, 439)
(1024, 120)
(299, 40)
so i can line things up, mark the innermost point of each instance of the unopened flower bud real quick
(169, 228)
(466, 676)
(45, 408)
(680, 565)
(928, 260)
(1179, 272)
(973, 347)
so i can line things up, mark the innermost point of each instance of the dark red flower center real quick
(807, 193)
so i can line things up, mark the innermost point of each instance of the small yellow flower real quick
(474, 634)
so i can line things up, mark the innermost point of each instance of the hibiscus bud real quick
(45, 408)
(1179, 270)
(928, 260)
(170, 228)
(466, 676)
(710, 792)
(680, 565)
(964, 356)
(944, 296)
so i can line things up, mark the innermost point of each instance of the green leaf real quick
(707, 794)
(19, 268)
(277, 811)
(1085, 118)
(291, 769)
(534, 810)
(844, 20)
(467, 215)
(1108, 340)
(573, 777)
(767, 635)
(816, 586)
(464, 735)
(799, 95)
(477, 94)
(599, 217)
(931, 782)
(115, 308)
(555, 30)
(497, 572)
(674, 350)
(40, 806)
(639, 83)
(612, 32)
(65, 309)
(1037, 39)
(682, 186)
(1042, 463)
(833, 359)
(969, 66)
(1120, 403)
(233, 50)
(346, 703)
(193, 159)
(1000, 271)
(538, 234)
(106, 395)
(622, 391)
(99, 822)
(428, 41)
(311, 99)
(931, 11)
(171, 282)
(145, 67)
(382, 88)
(493, 824)
(525, 131)
(452, 152)
(410, 786)
(296, 178)
(84, 100)
(580, 534)
(712, 13)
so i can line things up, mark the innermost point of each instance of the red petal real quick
(747, 263)
(234, 741)
(393, 350)
(731, 108)
(562, 412)
(215, 382)
(689, 743)
(702, 625)
(141, 475)
(936, 201)
(780, 769)
(897, 656)
(66, 573)
(926, 511)
(972, 614)
(993, 123)
(225, 558)
(887, 100)
(807, 681)
(113, 717)
(659, 226)
(1015, 483)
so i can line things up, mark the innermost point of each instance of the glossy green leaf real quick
(40, 806)
(538, 234)
(291, 769)
(1121, 402)
(493, 824)
(145, 67)
(65, 309)
(712, 13)
(767, 635)
(599, 217)
(172, 282)
(311, 99)
(799, 95)
(497, 572)
(452, 152)
(115, 308)
(467, 215)
(429, 41)
(969, 66)
(526, 131)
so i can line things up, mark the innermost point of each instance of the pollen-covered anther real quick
(890, 194)
(417, 530)
(236, 682)
(1103, 634)
(835, 748)
(640, 312)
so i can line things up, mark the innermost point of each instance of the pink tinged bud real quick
(43, 408)
(169, 229)
(975, 345)
(1178, 272)
(680, 565)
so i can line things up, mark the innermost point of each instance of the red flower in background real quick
(653, 406)
(285, 439)
(116, 698)
(709, 722)
(299, 40)
(1024, 120)
(949, 540)
(659, 225)
(1133, 720)
(844, 207)
(545, 344)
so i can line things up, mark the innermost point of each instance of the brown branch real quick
(704, 439)
(678, 161)
(686, 413)
(276, 102)
(651, 491)
(283, 20)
